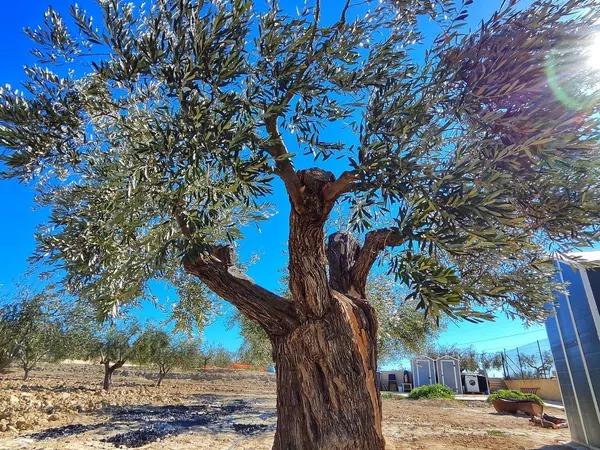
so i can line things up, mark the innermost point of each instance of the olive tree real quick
(6, 341)
(32, 329)
(155, 134)
(156, 348)
(112, 343)
(539, 364)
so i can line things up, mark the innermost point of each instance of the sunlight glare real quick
(594, 53)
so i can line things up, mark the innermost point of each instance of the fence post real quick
(542, 360)
(520, 363)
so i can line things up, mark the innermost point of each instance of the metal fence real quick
(533, 360)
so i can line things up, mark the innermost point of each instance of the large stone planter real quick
(515, 406)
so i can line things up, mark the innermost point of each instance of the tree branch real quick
(216, 269)
(345, 183)
(275, 145)
(283, 163)
(350, 264)
(375, 242)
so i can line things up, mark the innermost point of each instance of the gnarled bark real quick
(327, 396)
(217, 270)
(350, 264)
(307, 264)
(324, 339)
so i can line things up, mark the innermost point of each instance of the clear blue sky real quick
(20, 216)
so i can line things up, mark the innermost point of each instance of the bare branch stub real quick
(350, 264)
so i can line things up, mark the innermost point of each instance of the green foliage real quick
(221, 357)
(112, 341)
(156, 348)
(506, 394)
(431, 392)
(32, 329)
(6, 342)
(145, 132)
(469, 358)
(216, 356)
(256, 346)
(403, 329)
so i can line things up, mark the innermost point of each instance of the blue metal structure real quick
(574, 334)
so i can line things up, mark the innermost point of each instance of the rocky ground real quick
(62, 407)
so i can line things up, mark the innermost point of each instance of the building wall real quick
(548, 389)
(383, 378)
(574, 334)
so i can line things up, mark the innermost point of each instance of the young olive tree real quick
(154, 134)
(112, 343)
(6, 339)
(32, 329)
(539, 365)
(157, 349)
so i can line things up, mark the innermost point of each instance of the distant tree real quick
(256, 348)
(32, 329)
(491, 360)
(154, 135)
(469, 358)
(539, 365)
(157, 349)
(111, 343)
(206, 354)
(221, 357)
(6, 339)
(404, 330)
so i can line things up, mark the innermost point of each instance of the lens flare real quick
(594, 53)
(573, 74)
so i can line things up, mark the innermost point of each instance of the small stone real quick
(22, 424)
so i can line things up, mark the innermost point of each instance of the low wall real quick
(496, 384)
(547, 388)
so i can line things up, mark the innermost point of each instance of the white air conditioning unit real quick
(472, 384)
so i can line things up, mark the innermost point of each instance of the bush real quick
(507, 394)
(431, 391)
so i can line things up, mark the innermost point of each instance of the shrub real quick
(507, 394)
(431, 391)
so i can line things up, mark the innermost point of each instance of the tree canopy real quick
(32, 329)
(155, 134)
(158, 349)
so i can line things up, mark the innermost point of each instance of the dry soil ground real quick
(62, 407)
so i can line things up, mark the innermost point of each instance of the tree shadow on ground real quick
(136, 426)
(570, 446)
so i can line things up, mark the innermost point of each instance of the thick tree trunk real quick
(324, 338)
(327, 396)
(26, 374)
